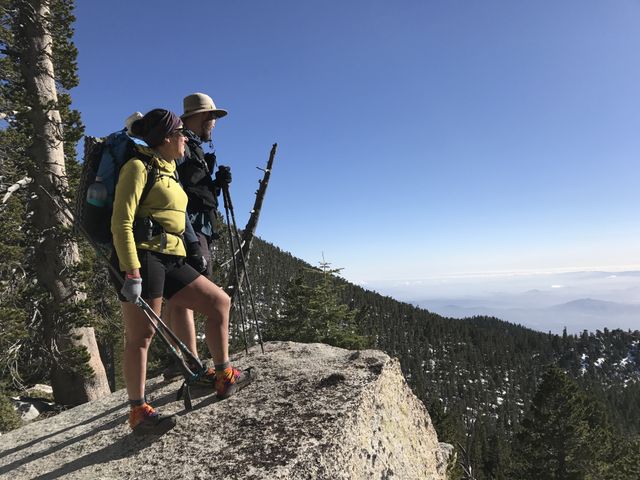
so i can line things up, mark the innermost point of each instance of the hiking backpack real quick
(103, 159)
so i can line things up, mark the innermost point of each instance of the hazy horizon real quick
(544, 301)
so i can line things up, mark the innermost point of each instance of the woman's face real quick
(177, 141)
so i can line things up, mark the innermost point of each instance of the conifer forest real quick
(515, 403)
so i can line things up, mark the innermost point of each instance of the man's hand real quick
(223, 177)
(210, 160)
(196, 259)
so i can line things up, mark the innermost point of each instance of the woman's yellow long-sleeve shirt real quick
(166, 204)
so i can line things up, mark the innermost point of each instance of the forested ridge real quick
(479, 359)
(478, 376)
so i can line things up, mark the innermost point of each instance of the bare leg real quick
(180, 321)
(138, 336)
(205, 297)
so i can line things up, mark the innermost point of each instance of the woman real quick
(150, 252)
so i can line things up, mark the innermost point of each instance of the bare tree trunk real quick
(250, 230)
(56, 254)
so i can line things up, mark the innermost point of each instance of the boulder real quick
(39, 389)
(26, 410)
(315, 412)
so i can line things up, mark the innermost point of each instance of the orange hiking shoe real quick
(208, 379)
(231, 380)
(173, 373)
(145, 420)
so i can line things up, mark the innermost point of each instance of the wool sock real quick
(222, 367)
(136, 403)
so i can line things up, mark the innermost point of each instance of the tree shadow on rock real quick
(59, 446)
(124, 447)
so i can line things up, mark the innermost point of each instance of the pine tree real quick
(39, 61)
(313, 312)
(565, 435)
(624, 463)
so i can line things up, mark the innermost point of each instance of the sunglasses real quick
(179, 131)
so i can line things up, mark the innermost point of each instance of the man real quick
(195, 172)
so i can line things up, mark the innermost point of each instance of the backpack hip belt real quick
(144, 229)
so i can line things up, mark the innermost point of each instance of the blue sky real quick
(416, 138)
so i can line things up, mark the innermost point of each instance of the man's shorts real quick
(162, 275)
(203, 244)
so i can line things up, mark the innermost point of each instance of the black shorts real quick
(162, 275)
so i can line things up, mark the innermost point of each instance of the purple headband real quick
(162, 127)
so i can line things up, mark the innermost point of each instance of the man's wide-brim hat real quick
(200, 102)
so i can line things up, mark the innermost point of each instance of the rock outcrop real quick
(315, 412)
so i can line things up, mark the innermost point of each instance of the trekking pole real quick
(159, 326)
(235, 268)
(227, 202)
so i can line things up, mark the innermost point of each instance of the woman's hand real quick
(132, 287)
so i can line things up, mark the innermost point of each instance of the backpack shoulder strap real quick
(152, 174)
(176, 175)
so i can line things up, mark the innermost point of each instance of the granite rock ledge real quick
(315, 412)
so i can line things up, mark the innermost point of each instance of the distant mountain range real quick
(576, 315)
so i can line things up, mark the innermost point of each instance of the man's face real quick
(207, 125)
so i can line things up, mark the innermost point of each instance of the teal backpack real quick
(102, 163)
